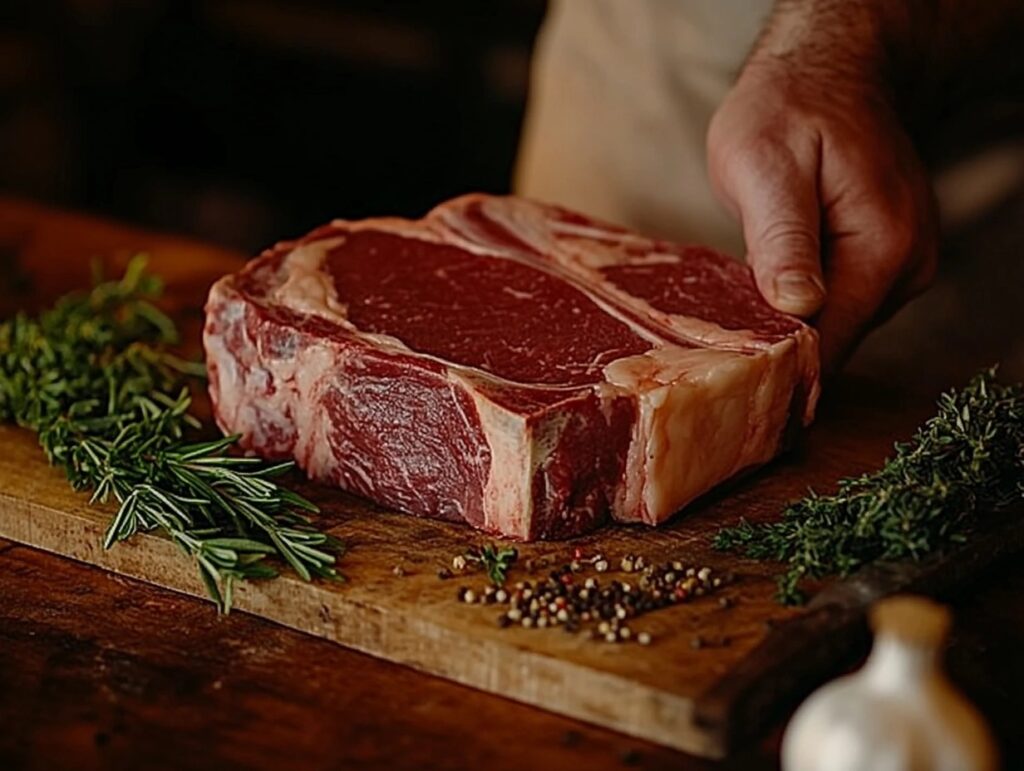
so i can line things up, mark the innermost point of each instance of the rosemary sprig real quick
(965, 461)
(93, 378)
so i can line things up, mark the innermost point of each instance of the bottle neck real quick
(894, 665)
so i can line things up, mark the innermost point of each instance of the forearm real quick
(914, 51)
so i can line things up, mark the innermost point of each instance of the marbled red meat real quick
(513, 365)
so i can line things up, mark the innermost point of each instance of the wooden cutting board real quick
(754, 656)
(674, 691)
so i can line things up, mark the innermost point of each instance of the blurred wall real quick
(245, 121)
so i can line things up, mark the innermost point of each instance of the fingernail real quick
(800, 292)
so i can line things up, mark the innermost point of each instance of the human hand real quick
(836, 209)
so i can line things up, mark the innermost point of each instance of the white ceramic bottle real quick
(898, 712)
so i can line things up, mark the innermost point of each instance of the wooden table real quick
(97, 671)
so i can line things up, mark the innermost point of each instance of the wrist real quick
(836, 42)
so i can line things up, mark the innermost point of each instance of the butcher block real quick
(718, 669)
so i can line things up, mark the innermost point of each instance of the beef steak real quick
(510, 364)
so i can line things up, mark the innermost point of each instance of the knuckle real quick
(761, 150)
(791, 240)
(895, 245)
(739, 155)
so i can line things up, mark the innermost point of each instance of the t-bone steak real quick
(514, 365)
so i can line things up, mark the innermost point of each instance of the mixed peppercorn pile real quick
(588, 605)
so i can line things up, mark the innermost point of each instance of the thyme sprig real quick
(93, 377)
(967, 460)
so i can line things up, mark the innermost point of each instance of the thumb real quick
(777, 203)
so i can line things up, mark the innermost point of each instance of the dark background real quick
(245, 121)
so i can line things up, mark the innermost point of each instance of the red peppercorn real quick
(566, 578)
(577, 553)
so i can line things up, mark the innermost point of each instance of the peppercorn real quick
(458, 563)
(556, 600)
(444, 574)
(398, 570)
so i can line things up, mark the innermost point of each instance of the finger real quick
(914, 283)
(884, 255)
(776, 197)
(861, 277)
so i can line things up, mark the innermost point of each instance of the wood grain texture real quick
(415, 620)
(102, 672)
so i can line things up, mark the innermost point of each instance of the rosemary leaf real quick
(92, 376)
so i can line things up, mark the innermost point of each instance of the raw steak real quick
(513, 365)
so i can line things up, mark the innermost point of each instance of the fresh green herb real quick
(94, 379)
(966, 460)
(495, 561)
